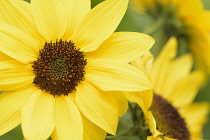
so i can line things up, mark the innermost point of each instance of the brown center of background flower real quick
(168, 119)
(59, 68)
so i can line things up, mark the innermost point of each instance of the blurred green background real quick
(135, 22)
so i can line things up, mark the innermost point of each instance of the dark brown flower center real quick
(59, 68)
(169, 120)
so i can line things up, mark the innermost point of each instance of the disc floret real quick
(59, 68)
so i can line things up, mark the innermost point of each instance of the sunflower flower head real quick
(59, 61)
(169, 116)
(186, 20)
(65, 68)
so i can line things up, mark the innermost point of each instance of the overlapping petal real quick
(186, 89)
(11, 104)
(18, 13)
(17, 44)
(118, 77)
(15, 75)
(50, 18)
(121, 102)
(122, 47)
(177, 69)
(99, 108)
(144, 63)
(37, 115)
(4, 57)
(75, 11)
(92, 131)
(99, 24)
(68, 121)
(160, 65)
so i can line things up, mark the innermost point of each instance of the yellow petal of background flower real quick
(146, 96)
(118, 77)
(144, 63)
(149, 118)
(200, 47)
(99, 24)
(177, 69)
(186, 89)
(11, 104)
(189, 7)
(15, 75)
(75, 11)
(92, 131)
(50, 18)
(18, 44)
(68, 121)
(38, 116)
(99, 108)
(123, 47)
(18, 13)
(121, 102)
(160, 65)
(195, 116)
(207, 15)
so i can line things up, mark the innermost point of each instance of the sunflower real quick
(187, 20)
(59, 60)
(171, 114)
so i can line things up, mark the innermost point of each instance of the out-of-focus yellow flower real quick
(172, 114)
(185, 19)
(57, 59)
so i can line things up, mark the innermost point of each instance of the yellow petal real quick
(11, 104)
(200, 47)
(195, 116)
(4, 57)
(18, 13)
(75, 11)
(123, 47)
(99, 108)
(68, 122)
(18, 44)
(177, 69)
(146, 96)
(99, 24)
(118, 77)
(38, 116)
(92, 131)
(189, 7)
(207, 15)
(160, 66)
(50, 18)
(121, 102)
(186, 89)
(149, 118)
(144, 63)
(15, 75)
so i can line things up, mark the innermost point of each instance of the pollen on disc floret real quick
(59, 68)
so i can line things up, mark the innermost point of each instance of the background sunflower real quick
(135, 22)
